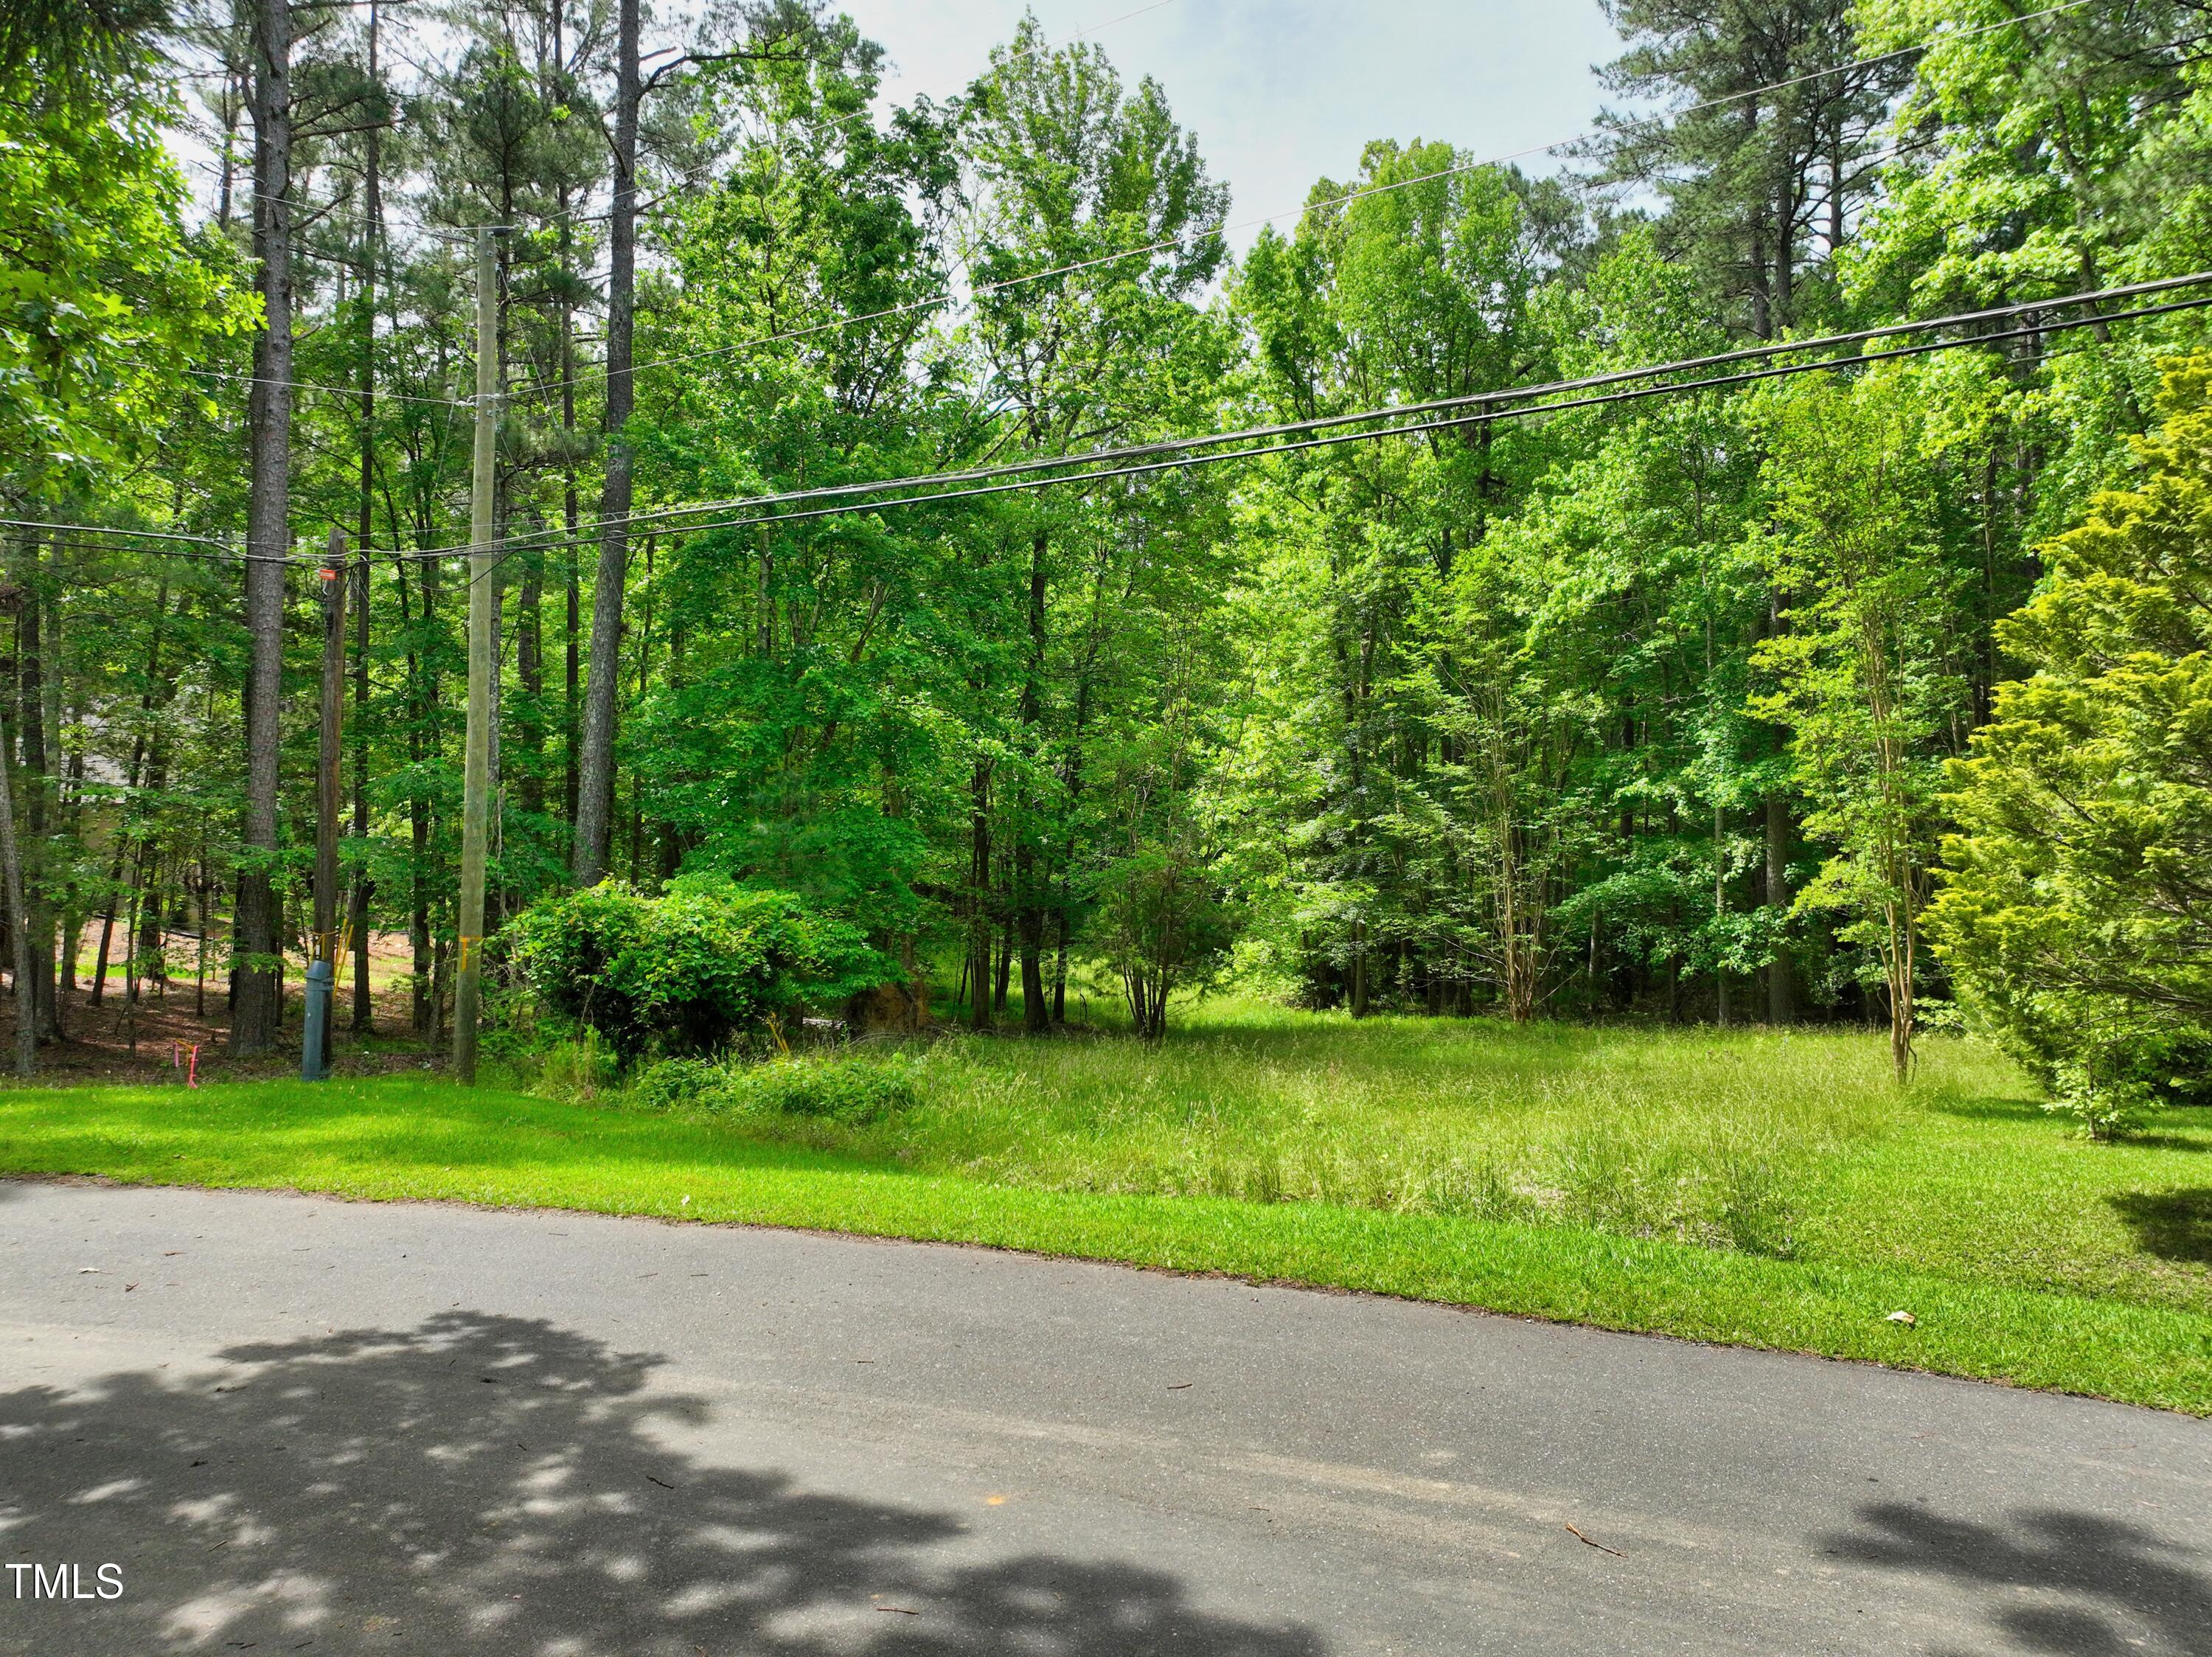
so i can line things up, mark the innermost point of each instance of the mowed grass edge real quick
(421, 1139)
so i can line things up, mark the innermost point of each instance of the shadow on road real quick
(488, 1485)
(2174, 1225)
(2058, 1581)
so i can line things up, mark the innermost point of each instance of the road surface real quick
(294, 1424)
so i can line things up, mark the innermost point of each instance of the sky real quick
(1283, 91)
(1280, 93)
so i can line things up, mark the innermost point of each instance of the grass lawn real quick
(1767, 1189)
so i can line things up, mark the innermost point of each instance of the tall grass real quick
(1712, 1137)
(1790, 1144)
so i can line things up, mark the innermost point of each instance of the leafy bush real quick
(675, 1082)
(2106, 1091)
(686, 972)
(829, 1088)
(843, 1089)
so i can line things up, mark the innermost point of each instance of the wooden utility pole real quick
(327, 783)
(475, 777)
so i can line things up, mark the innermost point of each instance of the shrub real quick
(578, 1069)
(841, 1088)
(686, 972)
(678, 1081)
(2105, 1091)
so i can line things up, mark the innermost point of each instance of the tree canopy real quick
(1653, 697)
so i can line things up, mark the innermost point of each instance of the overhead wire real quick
(109, 529)
(664, 517)
(1455, 423)
(380, 393)
(165, 543)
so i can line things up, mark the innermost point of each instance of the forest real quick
(1754, 567)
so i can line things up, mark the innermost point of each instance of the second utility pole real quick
(476, 776)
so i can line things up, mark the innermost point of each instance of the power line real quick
(104, 529)
(1171, 446)
(166, 543)
(380, 393)
(1640, 393)
(1223, 231)
(139, 549)
(1458, 422)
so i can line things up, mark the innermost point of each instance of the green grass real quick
(1770, 1189)
(1793, 1145)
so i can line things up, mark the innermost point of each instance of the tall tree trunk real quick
(596, 775)
(418, 811)
(206, 906)
(38, 907)
(1060, 927)
(1720, 909)
(1836, 193)
(131, 957)
(62, 897)
(1359, 993)
(364, 1006)
(73, 913)
(1782, 971)
(496, 769)
(1037, 1011)
(1785, 257)
(253, 1013)
(529, 668)
(570, 515)
(572, 705)
(107, 921)
(151, 953)
(1762, 289)
(1029, 896)
(979, 897)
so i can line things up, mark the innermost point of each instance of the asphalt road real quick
(295, 1424)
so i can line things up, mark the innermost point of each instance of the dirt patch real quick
(152, 1037)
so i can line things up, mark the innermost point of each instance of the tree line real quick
(1662, 706)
